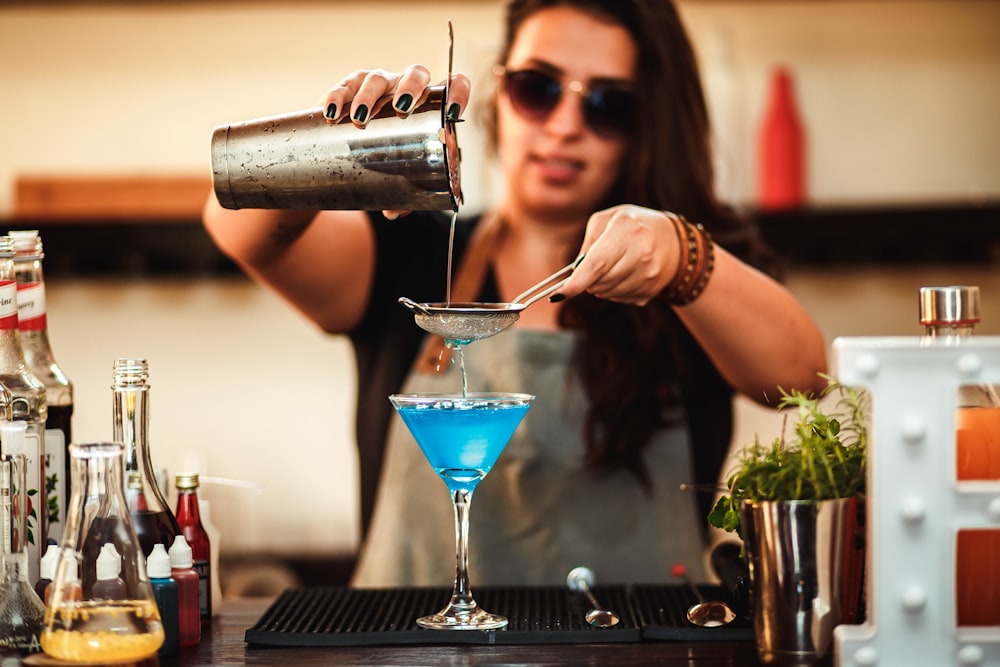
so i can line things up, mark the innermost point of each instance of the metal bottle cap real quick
(186, 480)
(954, 304)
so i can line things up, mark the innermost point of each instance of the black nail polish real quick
(404, 102)
(361, 115)
(331, 111)
(453, 110)
(557, 297)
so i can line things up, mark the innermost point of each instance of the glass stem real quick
(461, 597)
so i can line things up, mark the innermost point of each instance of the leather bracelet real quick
(695, 264)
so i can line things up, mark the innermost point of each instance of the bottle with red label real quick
(28, 404)
(188, 517)
(32, 312)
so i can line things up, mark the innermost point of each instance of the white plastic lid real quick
(109, 562)
(158, 563)
(180, 554)
(72, 569)
(47, 566)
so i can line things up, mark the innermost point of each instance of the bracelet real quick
(694, 265)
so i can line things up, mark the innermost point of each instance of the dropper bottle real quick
(109, 584)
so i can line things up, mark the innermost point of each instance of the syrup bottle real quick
(189, 519)
(33, 325)
(154, 522)
(950, 315)
(782, 179)
(27, 404)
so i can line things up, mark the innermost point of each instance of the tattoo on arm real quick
(286, 233)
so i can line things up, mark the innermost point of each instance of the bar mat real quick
(341, 616)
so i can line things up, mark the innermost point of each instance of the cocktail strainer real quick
(463, 323)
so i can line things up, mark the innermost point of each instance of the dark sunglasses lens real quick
(610, 112)
(533, 94)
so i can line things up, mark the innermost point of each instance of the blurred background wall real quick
(900, 100)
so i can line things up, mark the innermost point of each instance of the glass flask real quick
(21, 610)
(79, 624)
(151, 515)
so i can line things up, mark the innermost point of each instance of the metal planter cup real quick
(301, 161)
(805, 561)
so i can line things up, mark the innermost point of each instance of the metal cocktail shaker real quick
(301, 161)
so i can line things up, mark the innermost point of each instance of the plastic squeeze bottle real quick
(109, 584)
(188, 606)
(165, 593)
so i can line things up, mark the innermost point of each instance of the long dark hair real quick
(635, 363)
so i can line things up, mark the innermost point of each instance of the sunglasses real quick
(607, 110)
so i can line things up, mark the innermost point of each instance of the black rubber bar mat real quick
(341, 616)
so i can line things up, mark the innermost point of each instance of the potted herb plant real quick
(798, 505)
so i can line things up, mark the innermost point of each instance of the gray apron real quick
(539, 513)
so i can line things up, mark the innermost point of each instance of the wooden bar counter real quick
(223, 644)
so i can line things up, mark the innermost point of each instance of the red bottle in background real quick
(188, 612)
(188, 515)
(782, 155)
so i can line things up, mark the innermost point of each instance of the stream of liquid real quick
(455, 345)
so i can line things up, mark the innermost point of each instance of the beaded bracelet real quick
(695, 263)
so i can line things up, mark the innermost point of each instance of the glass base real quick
(450, 618)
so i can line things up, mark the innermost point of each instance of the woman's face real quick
(557, 165)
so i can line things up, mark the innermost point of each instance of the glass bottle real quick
(21, 610)
(189, 519)
(949, 315)
(32, 311)
(91, 628)
(27, 404)
(154, 522)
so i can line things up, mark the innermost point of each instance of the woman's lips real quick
(558, 169)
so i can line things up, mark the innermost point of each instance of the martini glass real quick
(462, 436)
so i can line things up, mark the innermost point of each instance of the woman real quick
(601, 131)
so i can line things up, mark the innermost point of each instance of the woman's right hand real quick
(357, 95)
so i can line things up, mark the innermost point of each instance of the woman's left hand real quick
(631, 255)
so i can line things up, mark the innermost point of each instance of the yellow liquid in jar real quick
(103, 630)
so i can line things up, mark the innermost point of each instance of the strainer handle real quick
(532, 294)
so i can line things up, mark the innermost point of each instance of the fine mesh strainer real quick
(463, 323)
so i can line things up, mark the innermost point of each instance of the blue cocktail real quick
(462, 436)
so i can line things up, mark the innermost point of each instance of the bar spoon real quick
(579, 580)
(706, 613)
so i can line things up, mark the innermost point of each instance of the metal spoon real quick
(579, 580)
(706, 613)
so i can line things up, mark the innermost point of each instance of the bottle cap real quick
(180, 554)
(186, 480)
(47, 566)
(954, 304)
(27, 243)
(72, 570)
(109, 562)
(158, 563)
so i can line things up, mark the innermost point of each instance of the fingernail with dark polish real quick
(361, 115)
(453, 110)
(331, 111)
(557, 297)
(404, 102)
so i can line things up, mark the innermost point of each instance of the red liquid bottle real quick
(188, 612)
(782, 172)
(188, 516)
